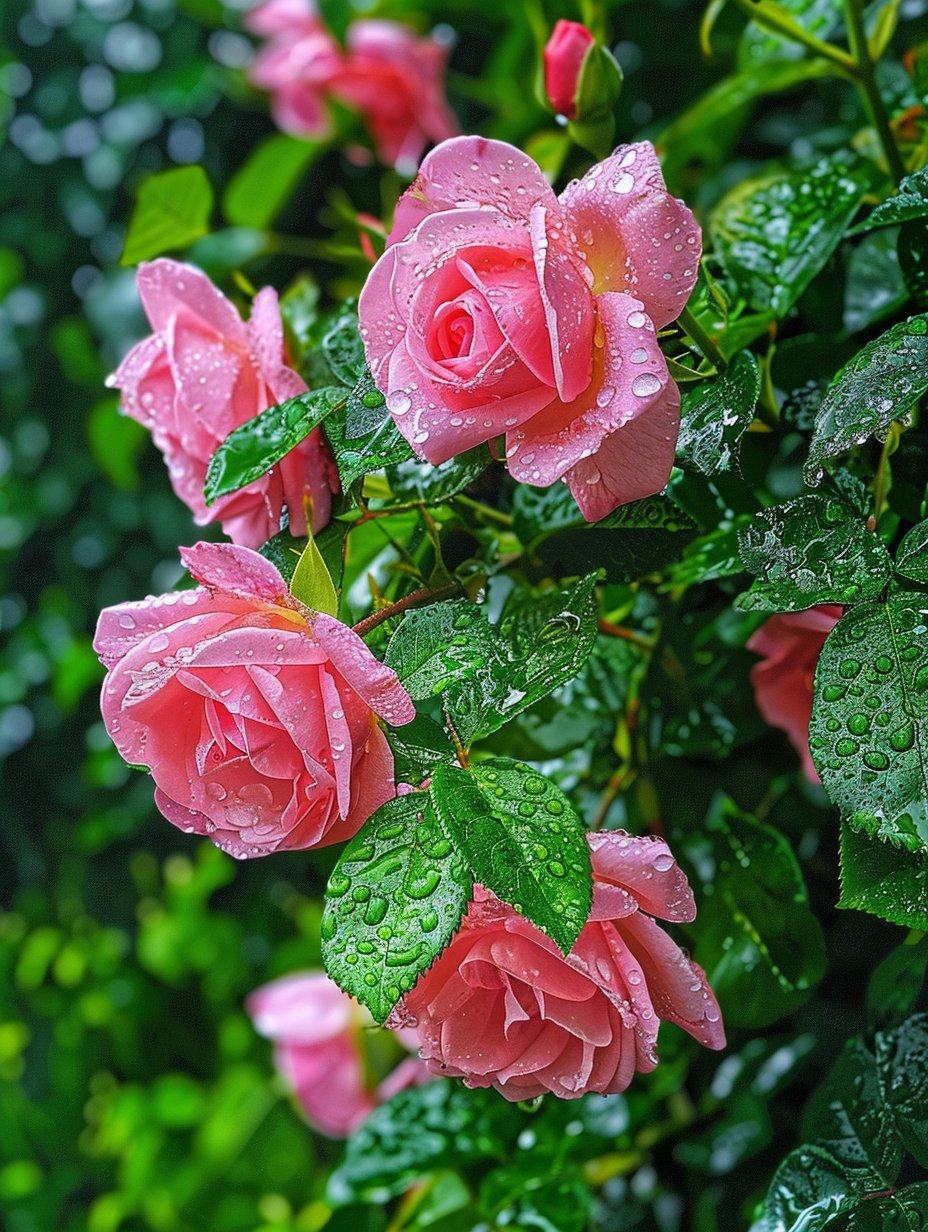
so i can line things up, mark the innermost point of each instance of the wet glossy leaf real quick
(376, 442)
(912, 554)
(415, 480)
(250, 451)
(711, 556)
(515, 1198)
(414, 1133)
(814, 549)
(172, 210)
(875, 287)
(913, 259)
(438, 644)
(911, 201)
(880, 384)
(261, 187)
(775, 233)
(343, 347)
(522, 840)
(809, 1190)
(885, 880)
(393, 902)
(417, 746)
(902, 1060)
(716, 413)
(757, 939)
(868, 728)
(896, 983)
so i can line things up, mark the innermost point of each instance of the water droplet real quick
(399, 403)
(646, 384)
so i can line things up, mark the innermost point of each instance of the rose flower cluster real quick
(497, 310)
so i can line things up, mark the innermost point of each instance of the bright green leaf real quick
(912, 555)
(438, 644)
(261, 187)
(172, 210)
(312, 583)
(883, 879)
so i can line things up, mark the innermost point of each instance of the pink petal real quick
(304, 1008)
(281, 17)
(646, 869)
(567, 302)
(469, 172)
(372, 680)
(166, 287)
(121, 628)
(238, 571)
(630, 464)
(146, 364)
(629, 379)
(328, 1080)
(636, 236)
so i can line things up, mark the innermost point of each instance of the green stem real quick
(771, 19)
(866, 81)
(483, 511)
(704, 341)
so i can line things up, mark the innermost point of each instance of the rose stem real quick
(414, 599)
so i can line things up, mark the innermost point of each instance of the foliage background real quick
(133, 1091)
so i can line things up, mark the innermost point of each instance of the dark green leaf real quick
(809, 1190)
(716, 413)
(744, 1130)
(868, 728)
(416, 1132)
(814, 549)
(438, 644)
(875, 287)
(757, 939)
(522, 840)
(393, 902)
(913, 259)
(911, 201)
(880, 384)
(896, 983)
(912, 554)
(775, 233)
(415, 480)
(251, 450)
(883, 879)
(262, 186)
(514, 1197)
(417, 746)
(711, 556)
(343, 347)
(284, 551)
(902, 1059)
(172, 210)
(379, 447)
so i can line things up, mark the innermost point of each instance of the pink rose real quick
(205, 371)
(320, 1035)
(564, 54)
(296, 66)
(503, 1007)
(791, 643)
(256, 715)
(499, 307)
(397, 82)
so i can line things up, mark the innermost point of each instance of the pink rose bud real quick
(256, 715)
(564, 55)
(503, 1007)
(791, 643)
(396, 80)
(501, 308)
(320, 1036)
(205, 371)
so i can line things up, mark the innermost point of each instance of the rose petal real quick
(167, 287)
(238, 571)
(372, 680)
(646, 869)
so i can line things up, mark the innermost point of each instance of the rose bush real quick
(205, 371)
(256, 716)
(321, 1048)
(501, 308)
(791, 643)
(503, 1007)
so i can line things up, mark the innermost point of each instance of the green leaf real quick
(868, 728)
(522, 839)
(251, 450)
(814, 549)
(172, 210)
(284, 550)
(775, 233)
(709, 557)
(343, 347)
(819, 17)
(902, 1060)
(514, 1199)
(880, 384)
(912, 554)
(911, 201)
(875, 287)
(394, 900)
(415, 480)
(436, 645)
(716, 414)
(376, 448)
(417, 747)
(810, 1188)
(848, 1117)
(883, 879)
(417, 1131)
(757, 938)
(262, 186)
(312, 583)
(897, 981)
(913, 259)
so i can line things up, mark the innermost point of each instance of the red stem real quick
(417, 597)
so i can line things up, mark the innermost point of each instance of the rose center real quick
(453, 335)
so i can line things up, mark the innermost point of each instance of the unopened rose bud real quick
(582, 81)
(564, 55)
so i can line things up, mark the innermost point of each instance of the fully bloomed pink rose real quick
(501, 308)
(791, 643)
(321, 1036)
(205, 371)
(256, 715)
(503, 1007)
(564, 54)
(396, 80)
(296, 66)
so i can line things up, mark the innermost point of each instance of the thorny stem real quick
(866, 80)
(704, 341)
(415, 599)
